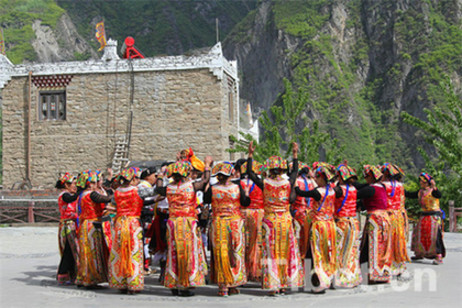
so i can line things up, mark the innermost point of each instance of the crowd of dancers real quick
(260, 222)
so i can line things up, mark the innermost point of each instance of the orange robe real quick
(227, 237)
(282, 265)
(126, 260)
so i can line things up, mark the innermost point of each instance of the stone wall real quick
(172, 110)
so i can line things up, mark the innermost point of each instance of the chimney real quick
(110, 51)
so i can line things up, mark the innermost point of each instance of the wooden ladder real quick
(120, 155)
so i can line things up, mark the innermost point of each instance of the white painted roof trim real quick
(213, 60)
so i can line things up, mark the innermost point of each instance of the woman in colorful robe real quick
(227, 231)
(186, 262)
(404, 217)
(376, 246)
(322, 234)
(427, 238)
(93, 253)
(107, 210)
(395, 194)
(67, 233)
(158, 230)
(126, 260)
(282, 265)
(300, 209)
(348, 273)
(253, 222)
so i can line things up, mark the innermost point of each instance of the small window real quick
(52, 105)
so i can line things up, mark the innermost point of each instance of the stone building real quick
(69, 116)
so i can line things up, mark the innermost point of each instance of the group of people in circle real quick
(265, 220)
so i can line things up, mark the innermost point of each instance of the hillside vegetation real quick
(16, 18)
(361, 64)
(159, 27)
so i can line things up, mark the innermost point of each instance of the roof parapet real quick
(6, 70)
(110, 63)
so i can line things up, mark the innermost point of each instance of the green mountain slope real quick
(159, 27)
(362, 62)
(16, 18)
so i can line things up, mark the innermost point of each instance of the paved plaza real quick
(29, 258)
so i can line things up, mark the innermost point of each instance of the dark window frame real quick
(50, 107)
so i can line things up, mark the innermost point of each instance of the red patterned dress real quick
(376, 248)
(253, 222)
(301, 208)
(227, 237)
(106, 221)
(93, 252)
(68, 241)
(348, 273)
(67, 224)
(126, 260)
(399, 257)
(186, 264)
(323, 237)
(427, 238)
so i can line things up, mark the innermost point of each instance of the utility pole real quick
(216, 29)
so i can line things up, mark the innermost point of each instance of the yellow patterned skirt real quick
(92, 255)
(186, 263)
(302, 231)
(348, 273)
(68, 237)
(253, 219)
(228, 260)
(107, 224)
(398, 242)
(126, 260)
(406, 224)
(282, 265)
(323, 251)
(376, 246)
(67, 232)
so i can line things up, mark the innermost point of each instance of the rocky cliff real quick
(361, 61)
(63, 43)
(55, 30)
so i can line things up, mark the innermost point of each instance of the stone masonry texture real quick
(172, 110)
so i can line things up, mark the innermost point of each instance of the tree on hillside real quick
(281, 128)
(443, 130)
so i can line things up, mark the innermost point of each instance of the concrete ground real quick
(29, 258)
